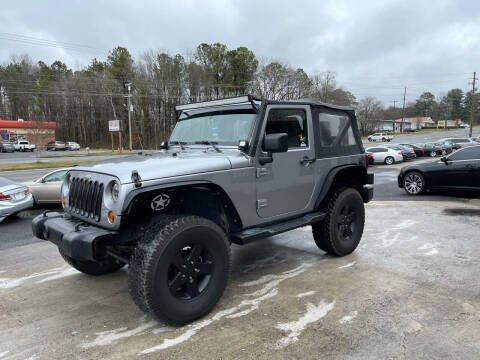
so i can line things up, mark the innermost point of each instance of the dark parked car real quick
(447, 146)
(407, 153)
(417, 149)
(458, 171)
(431, 149)
(7, 147)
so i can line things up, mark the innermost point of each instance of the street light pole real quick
(129, 105)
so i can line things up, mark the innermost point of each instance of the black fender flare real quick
(331, 176)
(144, 189)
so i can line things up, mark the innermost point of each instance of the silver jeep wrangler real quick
(234, 171)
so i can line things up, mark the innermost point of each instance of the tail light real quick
(4, 197)
(441, 149)
(421, 149)
(26, 191)
(412, 152)
(399, 153)
(459, 146)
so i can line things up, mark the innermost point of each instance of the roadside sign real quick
(114, 125)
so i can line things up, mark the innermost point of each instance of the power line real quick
(30, 40)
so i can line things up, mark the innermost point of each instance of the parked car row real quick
(24, 145)
(389, 154)
(20, 145)
(61, 145)
(15, 197)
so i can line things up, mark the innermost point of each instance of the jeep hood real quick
(163, 164)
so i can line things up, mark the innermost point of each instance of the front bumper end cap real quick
(76, 239)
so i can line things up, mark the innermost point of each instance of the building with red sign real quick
(36, 132)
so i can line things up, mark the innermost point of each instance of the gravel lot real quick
(409, 291)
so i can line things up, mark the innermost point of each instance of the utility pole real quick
(403, 109)
(394, 103)
(129, 106)
(472, 110)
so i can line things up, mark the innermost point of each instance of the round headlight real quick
(115, 191)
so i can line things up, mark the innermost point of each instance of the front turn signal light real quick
(64, 202)
(111, 217)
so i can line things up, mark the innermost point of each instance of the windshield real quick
(225, 127)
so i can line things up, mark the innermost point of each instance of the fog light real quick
(64, 202)
(111, 217)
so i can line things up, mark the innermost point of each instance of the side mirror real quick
(273, 143)
(444, 159)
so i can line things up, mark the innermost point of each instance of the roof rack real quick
(226, 101)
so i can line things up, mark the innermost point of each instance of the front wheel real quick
(414, 183)
(340, 232)
(180, 268)
(92, 267)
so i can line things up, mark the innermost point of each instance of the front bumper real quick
(75, 238)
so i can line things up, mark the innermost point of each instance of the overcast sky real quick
(375, 47)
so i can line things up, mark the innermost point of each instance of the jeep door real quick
(285, 185)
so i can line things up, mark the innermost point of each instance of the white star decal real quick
(160, 202)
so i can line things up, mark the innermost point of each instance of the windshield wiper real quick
(181, 143)
(211, 143)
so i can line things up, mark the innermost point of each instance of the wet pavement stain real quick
(462, 212)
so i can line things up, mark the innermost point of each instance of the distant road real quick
(48, 156)
(412, 138)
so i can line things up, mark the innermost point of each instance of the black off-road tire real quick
(161, 251)
(92, 267)
(327, 234)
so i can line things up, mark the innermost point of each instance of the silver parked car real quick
(56, 145)
(13, 198)
(72, 145)
(385, 155)
(47, 189)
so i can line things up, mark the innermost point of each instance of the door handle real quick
(306, 161)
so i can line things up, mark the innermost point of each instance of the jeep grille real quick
(85, 198)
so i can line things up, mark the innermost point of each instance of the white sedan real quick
(47, 189)
(384, 155)
(13, 198)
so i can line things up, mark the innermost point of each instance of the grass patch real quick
(106, 153)
(42, 165)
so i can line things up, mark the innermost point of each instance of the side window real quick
(56, 176)
(293, 122)
(335, 130)
(372, 150)
(470, 153)
(382, 150)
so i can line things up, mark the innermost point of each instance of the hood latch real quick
(136, 178)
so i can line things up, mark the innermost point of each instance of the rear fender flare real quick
(327, 185)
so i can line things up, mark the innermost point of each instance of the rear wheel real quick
(180, 268)
(389, 160)
(340, 232)
(414, 183)
(92, 267)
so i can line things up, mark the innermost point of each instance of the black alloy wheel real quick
(190, 271)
